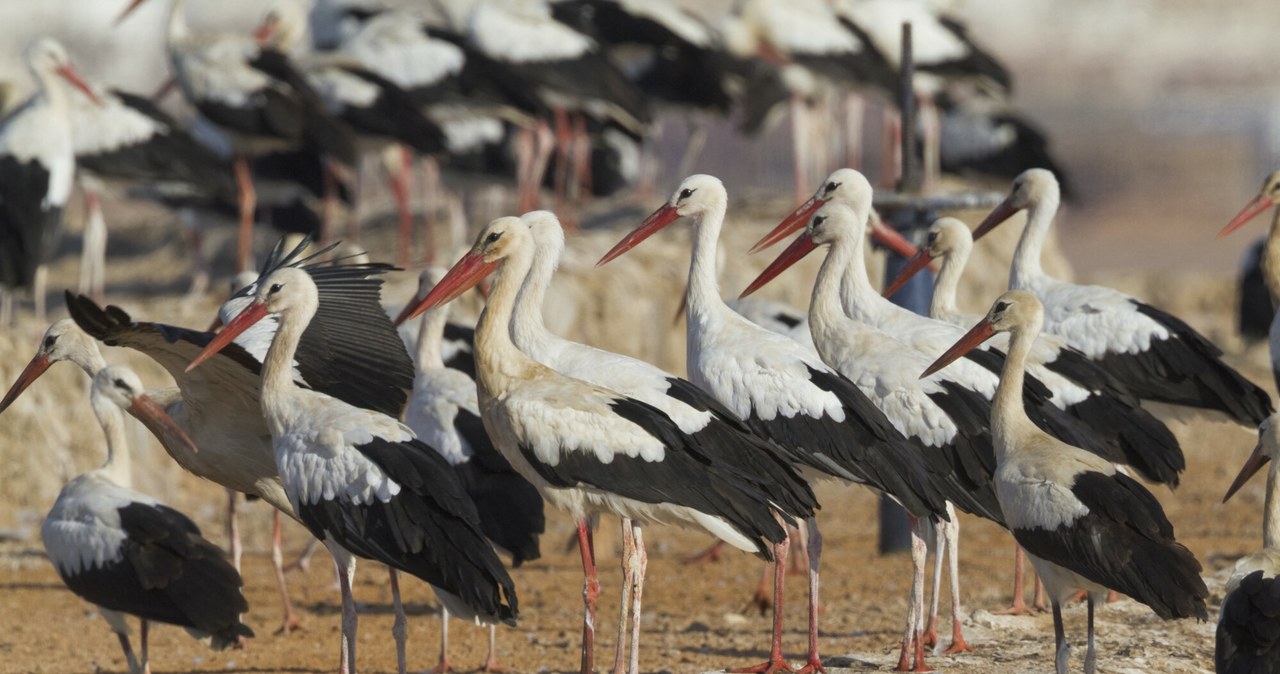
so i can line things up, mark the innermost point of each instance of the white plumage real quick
(394, 45)
(524, 31)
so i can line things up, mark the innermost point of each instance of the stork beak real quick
(246, 318)
(976, 335)
(1252, 465)
(660, 218)
(164, 89)
(127, 11)
(69, 74)
(407, 312)
(1259, 204)
(891, 238)
(468, 271)
(266, 29)
(919, 261)
(789, 224)
(160, 424)
(34, 369)
(799, 248)
(1001, 213)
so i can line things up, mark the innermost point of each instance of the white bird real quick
(1268, 196)
(946, 422)
(37, 164)
(591, 450)
(1084, 525)
(126, 552)
(361, 482)
(1248, 622)
(443, 412)
(782, 389)
(1153, 353)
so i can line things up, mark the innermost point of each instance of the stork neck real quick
(1271, 258)
(119, 465)
(824, 303)
(859, 298)
(1271, 512)
(947, 285)
(1008, 417)
(1026, 258)
(430, 345)
(527, 326)
(277, 370)
(90, 360)
(177, 25)
(704, 287)
(498, 361)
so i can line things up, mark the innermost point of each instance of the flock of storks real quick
(307, 396)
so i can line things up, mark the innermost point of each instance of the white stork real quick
(1153, 353)
(591, 450)
(783, 390)
(1269, 261)
(945, 421)
(1247, 623)
(36, 169)
(1085, 525)
(256, 96)
(444, 413)
(126, 552)
(361, 482)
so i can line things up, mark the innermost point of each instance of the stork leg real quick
(640, 564)
(400, 626)
(491, 662)
(912, 642)
(399, 165)
(1038, 597)
(699, 130)
(303, 562)
(94, 248)
(931, 126)
(799, 147)
(524, 151)
(564, 147)
(431, 198)
(712, 553)
(854, 109)
(145, 646)
(813, 546)
(134, 667)
(346, 567)
(291, 622)
(760, 599)
(6, 307)
(39, 288)
(1061, 650)
(952, 530)
(775, 663)
(442, 664)
(248, 201)
(624, 604)
(1090, 655)
(581, 157)
(1019, 605)
(194, 234)
(233, 529)
(930, 637)
(590, 592)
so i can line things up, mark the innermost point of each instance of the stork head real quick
(119, 386)
(286, 290)
(1032, 186)
(844, 185)
(696, 196)
(496, 242)
(1267, 449)
(1014, 311)
(46, 56)
(833, 222)
(427, 279)
(64, 340)
(1267, 197)
(548, 233)
(947, 236)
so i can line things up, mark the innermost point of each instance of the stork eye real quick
(275, 288)
(831, 187)
(49, 341)
(493, 237)
(120, 384)
(818, 220)
(1001, 306)
(933, 237)
(686, 193)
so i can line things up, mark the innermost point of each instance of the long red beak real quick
(69, 74)
(976, 335)
(32, 372)
(246, 318)
(919, 261)
(1252, 465)
(789, 224)
(1001, 213)
(266, 28)
(1259, 204)
(660, 218)
(468, 271)
(892, 239)
(160, 424)
(128, 10)
(799, 248)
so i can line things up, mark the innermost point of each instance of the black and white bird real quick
(1249, 622)
(37, 167)
(783, 390)
(1085, 525)
(945, 421)
(361, 482)
(1265, 268)
(592, 450)
(445, 414)
(129, 554)
(1154, 354)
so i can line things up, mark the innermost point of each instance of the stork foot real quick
(442, 667)
(814, 666)
(930, 636)
(760, 602)
(1019, 607)
(711, 554)
(1113, 597)
(958, 646)
(491, 665)
(290, 625)
(772, 666)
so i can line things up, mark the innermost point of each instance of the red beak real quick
(266, 29)
(660, 218)
(160, 424)
(1001, 213)
(69, 74)
(1259, 204)
(246, 318)
(34, 369)
(892, 238)
(469, 271)
(791, 223)
(919, 261)
(799, 248)
(976, 335)
(128, 10)
(1252, 465)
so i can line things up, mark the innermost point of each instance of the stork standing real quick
(783, 390)
(617, 454)
(127, 553)
(1269, 261)
(1084, 524)
(362, 483)
(443, 411)
(945, 421)
(37, 164)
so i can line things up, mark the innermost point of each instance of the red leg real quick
(248, 202)
(813, 549)
(291, 622)
(711, 554)
(1038, 600)
(958, 644)
(491, 662)
(1019, 605)
(760, 599)
(400, 191)
(775, 663)
(590, 592)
